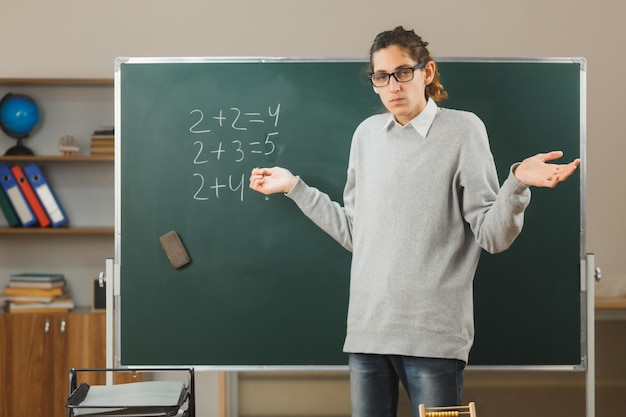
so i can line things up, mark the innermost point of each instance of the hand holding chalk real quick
(272, 180)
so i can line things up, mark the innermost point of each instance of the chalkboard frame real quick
(584, 301)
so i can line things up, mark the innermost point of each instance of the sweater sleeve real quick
(495, 214)
(329, 215)
(505, 219)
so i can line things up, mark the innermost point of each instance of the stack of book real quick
(26, 198)
(37, 292)
(102, 141)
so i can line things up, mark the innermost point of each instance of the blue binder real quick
(45, 194)
(17, 199)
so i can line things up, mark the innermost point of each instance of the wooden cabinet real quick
(38, 351)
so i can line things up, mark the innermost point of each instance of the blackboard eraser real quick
(174, 249)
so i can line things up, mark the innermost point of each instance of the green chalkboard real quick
(266, 287)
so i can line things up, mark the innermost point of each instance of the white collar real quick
(422, 122)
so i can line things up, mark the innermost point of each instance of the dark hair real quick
(417, 49)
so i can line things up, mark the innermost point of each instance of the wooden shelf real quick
(105, 231)
(57, 158)
(79, 82)
(617, 303)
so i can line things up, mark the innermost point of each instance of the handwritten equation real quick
(226, 137)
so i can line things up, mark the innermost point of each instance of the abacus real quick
(453, 411)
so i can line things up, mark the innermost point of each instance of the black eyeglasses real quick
(403, 75)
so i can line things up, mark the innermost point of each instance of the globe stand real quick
(19, 149)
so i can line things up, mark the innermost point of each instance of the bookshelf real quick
(49, 344)
(59, 230)
(83, 183)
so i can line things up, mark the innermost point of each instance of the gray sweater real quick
(417, 211)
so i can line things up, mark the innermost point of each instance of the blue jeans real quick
(429, 381)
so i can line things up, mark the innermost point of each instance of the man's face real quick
(404, 100)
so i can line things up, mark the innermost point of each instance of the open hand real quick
(535, 171)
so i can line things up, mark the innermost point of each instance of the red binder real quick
(30, 195)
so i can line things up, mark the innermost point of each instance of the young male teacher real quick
(421, 200)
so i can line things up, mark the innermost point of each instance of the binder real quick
(45, 194)
(17, 199)
(7, 209)
(30, 195)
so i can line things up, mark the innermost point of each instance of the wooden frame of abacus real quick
(452, 411)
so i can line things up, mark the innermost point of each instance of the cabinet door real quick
(32, 359)
(82, 345)
(38, 351)
(87, 349)
(59, 347)
(87, 345)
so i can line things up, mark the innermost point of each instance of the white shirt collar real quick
(422, 122)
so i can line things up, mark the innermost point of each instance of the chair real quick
(452, 411)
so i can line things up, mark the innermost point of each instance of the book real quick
(102, 146)
(7, 209)
(36, 280)
(104, 130)
(33, 292)
(103, 150)
(31, 197)
(25, 299)
(58, 305)
(37, 284)
(106, 133)
(105, 138)
(36, 277)
(103, 141)
(12, 310)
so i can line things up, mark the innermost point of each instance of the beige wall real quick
(81, 38)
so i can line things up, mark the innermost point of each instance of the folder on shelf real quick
(17, 199)
(45, 194)
(7, 209)
(31, 197)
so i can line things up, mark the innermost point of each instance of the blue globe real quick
(19, 115)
